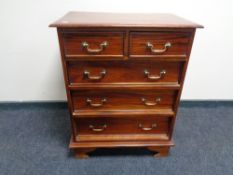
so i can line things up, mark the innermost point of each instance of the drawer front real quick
(159, 43)
(122, 99)
(110, 128)
(93, 44)
(124, 72)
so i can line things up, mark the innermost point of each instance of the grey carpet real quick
(34, 140)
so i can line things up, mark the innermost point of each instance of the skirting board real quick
(63, 104)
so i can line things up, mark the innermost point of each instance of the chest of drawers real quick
(124, 75)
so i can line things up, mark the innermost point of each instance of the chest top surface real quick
(94, 19)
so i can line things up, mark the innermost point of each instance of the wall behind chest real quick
(30, 68)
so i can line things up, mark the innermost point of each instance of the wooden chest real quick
(124, 75)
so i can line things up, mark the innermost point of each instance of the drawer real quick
(124, 72)
(93, 44)
(149, 44)
(110, 128)
(122, 99)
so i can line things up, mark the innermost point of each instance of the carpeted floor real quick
(34, 140)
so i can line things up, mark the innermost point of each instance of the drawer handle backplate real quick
(98, 129)
(101, 76)
(149, 103)
(89, 102)
(155, 77)
(102, 46)
(154, 125)
(159, 51)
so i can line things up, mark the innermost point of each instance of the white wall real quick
(30, 68)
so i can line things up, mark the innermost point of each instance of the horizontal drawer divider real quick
(132, 86)
(162, 57)
(123, 113)
(132, 57)
(94, 56)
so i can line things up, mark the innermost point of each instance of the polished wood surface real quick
(93, 19)
(124, 76)
(73, 44)
(178, 40)
(118, 72)
(105, 99)
(118, 126)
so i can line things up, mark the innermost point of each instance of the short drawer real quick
(149, 44)
(122, 99)
(124, 72)
(112, 128)
(93, 44)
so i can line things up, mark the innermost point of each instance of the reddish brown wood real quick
(65, 76)
(155, 20)
(123, 143)
(161, 151)
(124, 86)
(182, 75)
(73, 44)
(118, 71)
(179, 43)
(117, 129)
(120, 78)
(82, 153)
(121, 113)
(122, 100)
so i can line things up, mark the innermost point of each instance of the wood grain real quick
(124, 83)
(73, 44)
(94, 19)
(122, 100)
(122, 129)
(179, 43)
(124, 71)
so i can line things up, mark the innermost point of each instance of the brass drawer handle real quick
(89, 102)
(151, 47)
(155, 77)
(101, 76)
(98, 129)
(103, 45)
(149, 103)
(154, 125)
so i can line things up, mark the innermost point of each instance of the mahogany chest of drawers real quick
(124, 75)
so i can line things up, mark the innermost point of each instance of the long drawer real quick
(106, 99)
(124, 72)
(110, 128)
